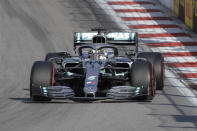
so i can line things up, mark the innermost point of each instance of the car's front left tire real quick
(157, 60)
(142, 76)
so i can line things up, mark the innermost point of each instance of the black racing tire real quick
(142, 76)
(42, 74)
(157, 60)
(56, 54)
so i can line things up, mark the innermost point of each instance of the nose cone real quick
(90, 89)
(92, 75)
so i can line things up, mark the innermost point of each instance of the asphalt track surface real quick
(31, 28)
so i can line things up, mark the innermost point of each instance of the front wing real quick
(117, 92)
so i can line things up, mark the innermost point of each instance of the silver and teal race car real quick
(107, 66)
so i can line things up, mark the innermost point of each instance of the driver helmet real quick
(91, 54)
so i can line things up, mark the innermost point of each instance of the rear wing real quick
(115, 38)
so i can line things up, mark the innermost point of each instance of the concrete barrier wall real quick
(195, 15)
(186, 10)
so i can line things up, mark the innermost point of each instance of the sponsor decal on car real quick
(91, 77)
(119, 36)
(91, 82)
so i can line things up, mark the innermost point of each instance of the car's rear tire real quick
(42, 74)
(157, 60)
(142, 76)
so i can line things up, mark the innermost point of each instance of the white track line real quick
(166, 39)
(180, 59)
(137, 14)
(191, 80)
(149, 22)
(185, 70)
(181, 87)
(133, 6)
(175, 49)
(158, 30)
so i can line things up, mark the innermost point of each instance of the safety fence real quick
(186, 10)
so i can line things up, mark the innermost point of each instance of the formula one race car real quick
(99, 71)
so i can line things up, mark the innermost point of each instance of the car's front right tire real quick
(42, 75)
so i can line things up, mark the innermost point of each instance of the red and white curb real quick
(161, 34)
